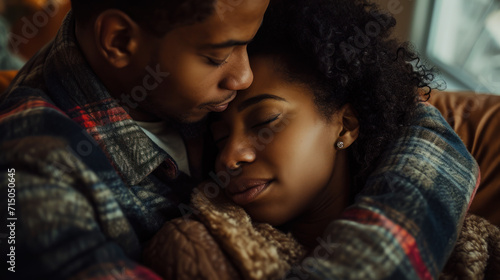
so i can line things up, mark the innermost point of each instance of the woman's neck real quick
(326, 207)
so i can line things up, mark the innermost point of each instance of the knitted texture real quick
(258, 250)
(477, 252)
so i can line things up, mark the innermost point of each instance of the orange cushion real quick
(26, 46)
(476, 119)
(5, 79)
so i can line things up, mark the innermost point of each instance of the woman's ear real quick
(117, 37)
(350, 127)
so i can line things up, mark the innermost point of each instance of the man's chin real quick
(189, 126)
(190, 119)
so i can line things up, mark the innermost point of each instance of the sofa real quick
(476, 119)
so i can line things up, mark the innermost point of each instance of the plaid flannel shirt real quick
(87, 196)
(406, 220)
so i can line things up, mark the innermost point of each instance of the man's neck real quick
(194, 149)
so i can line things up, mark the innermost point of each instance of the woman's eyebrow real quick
(227, 44)
(256, 99)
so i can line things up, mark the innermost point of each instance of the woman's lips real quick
(247, 191)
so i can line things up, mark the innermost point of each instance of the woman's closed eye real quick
(219, 137)
(267, 121)
(219, 133)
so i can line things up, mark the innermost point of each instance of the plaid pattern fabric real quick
(405, 222)
(91, 187)
(88, 196)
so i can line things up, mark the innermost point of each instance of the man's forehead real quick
(237, 27)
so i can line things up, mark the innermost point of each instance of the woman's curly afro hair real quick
(343, 51)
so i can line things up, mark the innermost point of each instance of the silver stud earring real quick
(340, 144)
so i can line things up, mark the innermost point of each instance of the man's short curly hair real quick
(156, 16)
(343, 51)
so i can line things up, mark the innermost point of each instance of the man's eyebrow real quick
(227, 44)
(256, 99)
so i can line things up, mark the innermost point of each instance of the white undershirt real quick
(169, 140)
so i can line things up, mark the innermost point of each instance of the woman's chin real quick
(267, 217)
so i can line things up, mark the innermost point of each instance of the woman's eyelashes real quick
(219, 133)
(267, 121)
(218, 139)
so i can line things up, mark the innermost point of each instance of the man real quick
(93, 130)
(105, 187)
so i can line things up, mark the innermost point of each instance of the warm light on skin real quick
(306, 169)
(196, 84)
(206, 62)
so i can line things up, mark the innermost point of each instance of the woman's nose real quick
(236, 153)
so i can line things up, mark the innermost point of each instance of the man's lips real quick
(245, 191)
(223, 105)
(218, 108)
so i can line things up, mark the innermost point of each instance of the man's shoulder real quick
(27, 111)
(28, 114)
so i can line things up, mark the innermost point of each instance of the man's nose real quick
(239, 74)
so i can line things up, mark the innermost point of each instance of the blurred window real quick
(464, 41)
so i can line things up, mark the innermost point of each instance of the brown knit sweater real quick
(477, 252)
(220, 242)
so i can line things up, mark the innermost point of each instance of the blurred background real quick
(460, 37)
(26, 26)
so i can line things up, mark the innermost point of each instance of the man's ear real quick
(117, 37)
(350, 125)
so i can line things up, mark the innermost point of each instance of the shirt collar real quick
(79, 92)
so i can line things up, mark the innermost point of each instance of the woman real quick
(331, 91)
